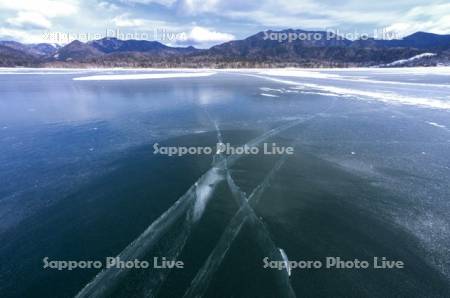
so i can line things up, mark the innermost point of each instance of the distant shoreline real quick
(215, 69)
(255, 51)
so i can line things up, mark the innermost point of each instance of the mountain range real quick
(320, 49)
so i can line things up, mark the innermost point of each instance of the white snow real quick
(144, 76)
(436, 124)
(269, 95)
(379, 94)
(404, 61)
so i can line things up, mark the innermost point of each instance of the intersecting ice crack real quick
(104, 282)
(245, 214)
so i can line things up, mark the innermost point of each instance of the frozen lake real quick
(369, 178)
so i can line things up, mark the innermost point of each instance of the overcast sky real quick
(202, 23)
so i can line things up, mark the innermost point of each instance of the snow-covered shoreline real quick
(17, 69)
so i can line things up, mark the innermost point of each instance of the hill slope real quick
(264, 49)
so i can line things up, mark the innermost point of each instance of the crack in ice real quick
(104, 281)
(245, 214)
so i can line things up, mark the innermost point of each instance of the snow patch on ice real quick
(405, 61)
(267, 89)
(388, 97)
(299, 73)
(268, 95)
(204, 190)
(436, 124)
(144, 76)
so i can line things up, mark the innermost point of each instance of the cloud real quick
(201, 37)
(350, 15)
(432, 18)
(48, 8)
(125, 21)
(20, 35)
(196, 7)
(32, 20)
(167, 3)
(107, 6)
(204, 35)
(269, 19)
(197, 35)
(204, 21)
(199, 6)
